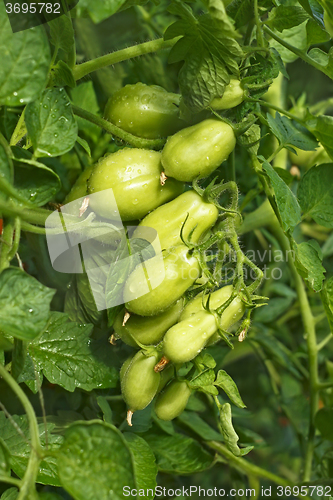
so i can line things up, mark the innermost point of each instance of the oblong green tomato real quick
(134, 176)
(233, 95)
(168, 219)
(233, 313)
(174, 274)
(308, 159)
(183, 341)
(146, 330)
(196, 151)
(145, 111)
(166, 375)
(140, 383)
(125, 366)
(79, 189)
(173, 400)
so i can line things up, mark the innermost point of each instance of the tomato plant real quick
(166, 250)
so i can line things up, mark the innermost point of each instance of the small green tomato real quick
(233, 95)
(173, 400)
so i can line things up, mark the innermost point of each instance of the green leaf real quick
(308, 260)
(296, 36)
(25, 60)
(19, 447)
(289, 133)
(99, 11)
(84, 145)
(277, 351)
(35, 181)
(145, 467)
(4, 459)
(315, 34)
(84, 96)
(24, 304)
(209, 50)
(204, 382)
(199, 426)
(68, 357)
(178, 454)
(242, 11)
(106, 410)
(10, 494)
(287, 203)
(251, 139)
(95, 459)
(324, 60)
(80, 304)
(62, 33)
(226, 383)
(51, 124)
(62, 75)
(327, 299)
(228, 431)
(323, 422)
(315, 194)
(275, 307)
(327, 247)
(313, 8)
(285, 17)
(322, 128)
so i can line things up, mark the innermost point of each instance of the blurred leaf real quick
(95, 459)
(178, 454)
(199, 426)
(315, 194)
(62, 33)
(327, 299)
(20, 449)
(308, 260)
(145, 467)
(323, 422)
(84, 96)
(10, 494)
(275, 307)
(285, 17)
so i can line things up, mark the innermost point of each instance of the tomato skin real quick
(197, 151)
(233, 95)
(233, 313)
(173, 400)
(147, 111)
(168, 219)
(140, 383)
(181, 270)
(308, 159)
(134, 176)
(147, 330)
(166, 375)
(183, 341)
(125, 366)
(79, 189)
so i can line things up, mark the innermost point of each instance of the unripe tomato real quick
(181, 269)
(173, 400)
(140, 383)
(233, 95)
(146, 330)
(233, 313)
(125, 365)
(79, 190)
(197, 151)
(308, 159)
(134, 176)
(166, 375)
(183, 341)
(168, 219)
(147, 111)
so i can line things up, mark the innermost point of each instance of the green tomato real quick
(175, 274)
(79, 190)
(147, 111)
(233, 95)
(125, 366)
(134, 176)
(146, 330)
(172, 402)
(183, 341)
(168, 219)
(197, 151)
(308, 159)
(140, 383)
(166, 375)
(233, 313)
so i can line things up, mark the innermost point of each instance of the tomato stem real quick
(88, 67)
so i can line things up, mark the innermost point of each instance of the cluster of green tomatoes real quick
(149, 186)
